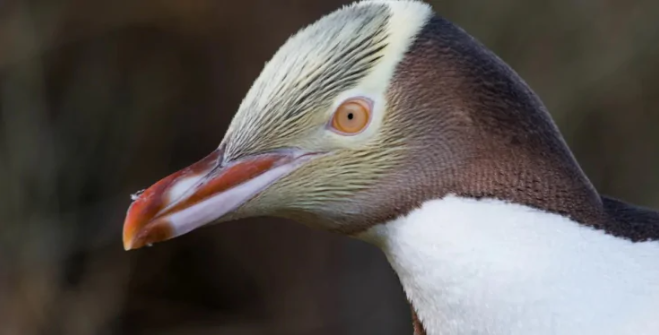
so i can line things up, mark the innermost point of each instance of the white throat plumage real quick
(490, 267)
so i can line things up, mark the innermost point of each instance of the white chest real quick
(490, 267)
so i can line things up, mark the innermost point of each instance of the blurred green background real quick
(99, 99)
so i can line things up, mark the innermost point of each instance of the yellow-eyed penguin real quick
(384, 122)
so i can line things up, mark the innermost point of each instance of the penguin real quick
(384, 122)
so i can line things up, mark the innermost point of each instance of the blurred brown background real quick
(101, 98)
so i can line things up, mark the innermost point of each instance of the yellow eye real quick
(352, 116)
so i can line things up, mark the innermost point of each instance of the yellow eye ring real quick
(352, 116)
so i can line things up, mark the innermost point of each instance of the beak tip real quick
(142, 225)
(128, 241)
(130, 231)
(154, 232)
(128, 244)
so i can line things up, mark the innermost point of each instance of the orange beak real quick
(202, 193)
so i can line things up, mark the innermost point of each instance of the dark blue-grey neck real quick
(481, 132)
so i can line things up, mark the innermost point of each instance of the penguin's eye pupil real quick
(352, 116)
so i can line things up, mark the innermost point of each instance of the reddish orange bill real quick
(199, 194)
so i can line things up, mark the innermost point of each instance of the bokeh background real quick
(99, 99)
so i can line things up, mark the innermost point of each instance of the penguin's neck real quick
(487, 266)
